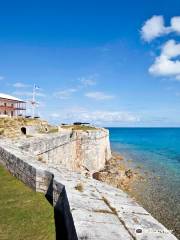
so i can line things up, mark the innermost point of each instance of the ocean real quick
(155, 152)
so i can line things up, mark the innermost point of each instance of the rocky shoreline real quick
(122, 173)
(118, 173)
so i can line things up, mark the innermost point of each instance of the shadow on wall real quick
(64, 224)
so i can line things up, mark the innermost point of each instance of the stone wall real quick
(76, 150)
(94, 211)
(37, 176)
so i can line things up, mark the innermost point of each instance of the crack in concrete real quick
(115, 213)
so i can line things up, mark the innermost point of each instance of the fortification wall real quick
(94, 211)
(76, 150)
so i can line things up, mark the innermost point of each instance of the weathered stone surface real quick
(76, 150)
(95, 211)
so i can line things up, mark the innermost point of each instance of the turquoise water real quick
(156, 151)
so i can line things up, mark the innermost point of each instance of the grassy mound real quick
(79, 127)
(11, 127)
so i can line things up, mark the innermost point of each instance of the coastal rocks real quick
(129, 173)
(116, 173)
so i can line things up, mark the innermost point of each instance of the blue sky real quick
(112, 63)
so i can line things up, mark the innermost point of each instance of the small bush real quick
(79, 187)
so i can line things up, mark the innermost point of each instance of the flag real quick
(36, 87)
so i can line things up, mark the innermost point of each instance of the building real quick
(11, 106)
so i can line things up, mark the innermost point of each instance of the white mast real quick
(33, 101)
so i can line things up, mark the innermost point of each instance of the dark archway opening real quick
(23, 130)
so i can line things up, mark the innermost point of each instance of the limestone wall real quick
(37, 176)
(96, 211)
(24, 167)
(76, 150)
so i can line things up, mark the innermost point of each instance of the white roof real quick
(3, 95)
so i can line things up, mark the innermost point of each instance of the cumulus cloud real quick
(175, 24)
(98, 95)
(155, 27)
(65, 94)
(171, 49)
(166, 64)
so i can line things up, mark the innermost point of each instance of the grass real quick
(53, 130)
(11, 127)
(79, 127)
(1, 131)
(6, 121)
(24, 214)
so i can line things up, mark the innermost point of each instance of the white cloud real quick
(87, 81)
(107, 116)
(55, 115)
(65, 94)
(175, 24)
(96, 117)
(165, 65)
(40, 94)
(170, 49)
(28, 94)
(98, 95)
(20, 85)
(2, 78)
(155, 27)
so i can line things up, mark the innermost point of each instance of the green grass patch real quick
(24, 214)
(79, 127)
(53, 130)
(1, 131)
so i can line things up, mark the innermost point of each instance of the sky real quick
(110, 63)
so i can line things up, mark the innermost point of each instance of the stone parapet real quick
(84, 207)
(76, 150)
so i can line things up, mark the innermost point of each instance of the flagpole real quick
(33, 100)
